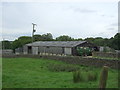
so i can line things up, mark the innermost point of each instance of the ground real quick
(35, 73)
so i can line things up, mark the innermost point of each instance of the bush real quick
(92, 76)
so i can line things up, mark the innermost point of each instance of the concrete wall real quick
(35, 50)
(75, 60)
(25, 49)
(6, 51)
(108, 55)
(19, 50)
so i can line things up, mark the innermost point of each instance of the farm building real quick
(56, 47)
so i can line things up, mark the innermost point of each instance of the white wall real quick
(68, 51)
(25, 50)
(35, 50)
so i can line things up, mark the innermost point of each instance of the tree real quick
(115, 42)
(37, 37)
(6, 44)
(47, 37)
(79, 39)
(21, 41)
(99, 41)
(64, 38)
(89, 39)
(44, 37)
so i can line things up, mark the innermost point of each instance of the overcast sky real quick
(76, 19)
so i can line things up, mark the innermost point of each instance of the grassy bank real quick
(42, 73)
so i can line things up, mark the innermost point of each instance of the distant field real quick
(35, 73)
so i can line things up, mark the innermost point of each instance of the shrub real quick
(92, 76)
(77, 77)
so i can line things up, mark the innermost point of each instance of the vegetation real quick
(82, 51)
(6, 44)
(108, 58)
(62, 68)
(64, 38)
(77, 77)
(92, 76)
(113, 42)
(44, 37)
(35, 73)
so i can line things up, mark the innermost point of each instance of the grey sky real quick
(76, 19)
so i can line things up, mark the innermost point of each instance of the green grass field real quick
(34, 73)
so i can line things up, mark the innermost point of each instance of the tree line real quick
(113, 42)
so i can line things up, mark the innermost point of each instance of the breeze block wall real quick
(105, 54)
(74, 60)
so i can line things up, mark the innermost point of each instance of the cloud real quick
(60, 0)
(74, 19)
(84, 10)
(13, 36)
(114, 24)
(111, 29)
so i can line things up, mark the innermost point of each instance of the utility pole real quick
(33, 31)
(3, 47)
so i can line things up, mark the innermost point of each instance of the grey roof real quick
(56, 43)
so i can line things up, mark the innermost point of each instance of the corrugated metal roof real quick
(56, 43)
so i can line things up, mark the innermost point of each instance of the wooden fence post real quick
(103, 78)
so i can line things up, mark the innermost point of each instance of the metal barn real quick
(56, 47)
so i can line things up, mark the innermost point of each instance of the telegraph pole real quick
(3, 44)
(33, 30)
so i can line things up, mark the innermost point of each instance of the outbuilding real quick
(56, 47)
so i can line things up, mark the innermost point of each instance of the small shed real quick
(56, 47)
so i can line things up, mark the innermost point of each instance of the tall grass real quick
(92, 76)
(103, 77)
(81, 76)
(62, 68)
(77, 77)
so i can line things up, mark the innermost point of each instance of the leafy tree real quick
(79, 39)
(89, 39)
(115, 42)
(6, 44)
(64, 38)
(37, 37)
(44, 37)
(99, 41)
(21, 41)
(47, 37)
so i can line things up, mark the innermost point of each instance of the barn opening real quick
(29, 49)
